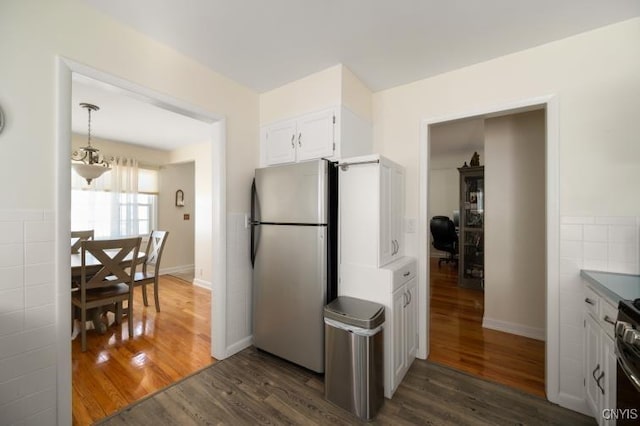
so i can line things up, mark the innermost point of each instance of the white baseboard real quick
(202, 283)
(574, 403)
(174, 269)
(240, 345)
(513, 328)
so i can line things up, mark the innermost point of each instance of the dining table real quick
(92, 266)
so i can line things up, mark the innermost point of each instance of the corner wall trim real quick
(239, 345)
(202, 283)
(514, 328)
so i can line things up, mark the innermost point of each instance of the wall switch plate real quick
(410, 225)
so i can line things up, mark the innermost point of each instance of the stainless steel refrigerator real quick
(293, 252)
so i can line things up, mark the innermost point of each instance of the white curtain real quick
(109, 205)
(124, 193)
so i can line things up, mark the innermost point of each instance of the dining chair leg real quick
(130, 313)
(118, 313)
(144, 295)
(156, 295)
(83, 329)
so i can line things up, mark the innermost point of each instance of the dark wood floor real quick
(116, 371)
(253, 387)
(458, 340)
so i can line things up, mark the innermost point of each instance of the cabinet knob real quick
(293, 137)
(300, 139)
(608, 319)
(589, 301)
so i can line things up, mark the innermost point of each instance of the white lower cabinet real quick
(395, 287)
(599, 355)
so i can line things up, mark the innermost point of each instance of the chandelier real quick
(87, 160)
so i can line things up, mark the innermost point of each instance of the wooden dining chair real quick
(111, 284)
(151, 267)
(77, 237)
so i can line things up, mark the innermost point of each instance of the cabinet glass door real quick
(471, 232)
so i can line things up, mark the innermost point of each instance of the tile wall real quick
(238, 279)
(599, 243)
(27, 318)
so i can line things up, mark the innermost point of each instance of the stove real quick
(628, 356)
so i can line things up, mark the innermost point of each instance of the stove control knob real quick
(621, 327)
(631, 337)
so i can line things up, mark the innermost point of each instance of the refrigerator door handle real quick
(253, 249)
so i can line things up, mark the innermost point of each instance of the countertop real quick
(613, 285)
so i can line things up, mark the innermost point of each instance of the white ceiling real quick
(264, 44)
(124, 118)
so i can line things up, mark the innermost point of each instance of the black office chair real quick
(445, 238)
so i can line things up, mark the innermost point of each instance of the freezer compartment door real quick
(290, 287)
(295, 193)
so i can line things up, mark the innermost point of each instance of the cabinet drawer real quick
(608, 315)
(404, 274)
(592, 302)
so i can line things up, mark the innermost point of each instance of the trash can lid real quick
(356, 312)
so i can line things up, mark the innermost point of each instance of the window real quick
(115, 214)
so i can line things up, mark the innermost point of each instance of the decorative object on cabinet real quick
(475, 160)
(87, 160)
(445, 238)
(330, 133)
(371, 210)
(179, 198)
(471, 237)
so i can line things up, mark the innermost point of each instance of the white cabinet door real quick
(411, 321)
(592, 366)
(398, 341)
(279, 145)
(397, 210)
(387, 246)
(608, 381)
(315, 138)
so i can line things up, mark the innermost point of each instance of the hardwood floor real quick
(116, 371)
(458, 340)
(253, 387)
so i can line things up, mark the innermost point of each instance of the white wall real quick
(32, 35)
(179, 251)
(316, 91)
(595, 78)
(514, 289)
(333, 86)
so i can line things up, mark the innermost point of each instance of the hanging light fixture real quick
(87, 160)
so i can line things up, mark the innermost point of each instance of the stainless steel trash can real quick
(353, 376)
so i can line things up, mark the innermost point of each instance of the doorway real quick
(216, 213)
(551, 231)
(478, 170)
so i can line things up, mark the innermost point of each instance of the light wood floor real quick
(253, 387)
(458, 340)
(115, 371)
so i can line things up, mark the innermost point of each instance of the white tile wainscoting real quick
(27, 317)
(588, 242)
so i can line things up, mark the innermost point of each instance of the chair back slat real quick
(77, 237)
(155, 247)
(118, 259)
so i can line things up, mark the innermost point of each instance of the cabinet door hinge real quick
(334, 146)
(334, 119)
(584, 382)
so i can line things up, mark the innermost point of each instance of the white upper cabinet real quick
(281, 144)
(329, 133)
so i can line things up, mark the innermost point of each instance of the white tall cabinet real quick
(372, 265)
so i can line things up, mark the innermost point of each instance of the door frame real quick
(552, 261)
(62, 150)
